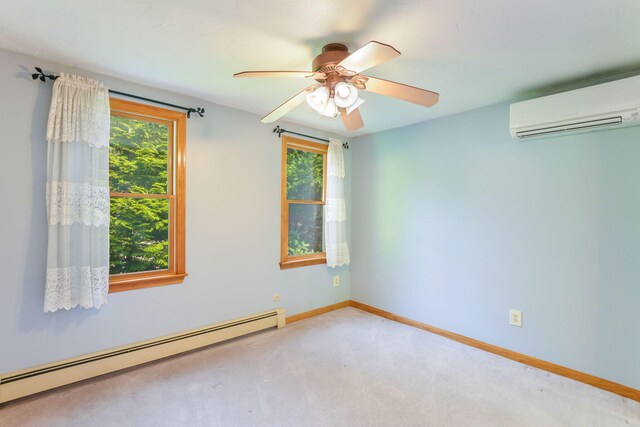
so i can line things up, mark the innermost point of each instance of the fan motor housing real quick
(332, 54)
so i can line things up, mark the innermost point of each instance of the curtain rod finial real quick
(42, 76)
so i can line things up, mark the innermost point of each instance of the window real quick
(147, 185)
(304, 165)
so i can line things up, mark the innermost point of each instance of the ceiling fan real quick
(337, 73)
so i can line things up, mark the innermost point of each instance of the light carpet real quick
(344, 368)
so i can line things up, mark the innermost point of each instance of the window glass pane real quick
(304, 175)
(138, 156)
(305, 229)
(139, 235)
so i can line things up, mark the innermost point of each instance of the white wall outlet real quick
(515, 317)
(276, 297)
(336, 281)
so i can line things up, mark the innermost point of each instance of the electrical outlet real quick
(336, 281)
(276, 297)
(515, 317)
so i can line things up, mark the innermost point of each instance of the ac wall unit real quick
(609, 105)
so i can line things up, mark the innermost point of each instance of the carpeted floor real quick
(345, 368)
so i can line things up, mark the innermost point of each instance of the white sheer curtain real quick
(77, 194)
(335, 227)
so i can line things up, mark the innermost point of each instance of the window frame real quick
(292, 261)
(176, 189)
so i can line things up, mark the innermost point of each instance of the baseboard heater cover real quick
(34, 380)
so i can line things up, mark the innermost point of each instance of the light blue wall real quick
(233, 232)
(455, 223)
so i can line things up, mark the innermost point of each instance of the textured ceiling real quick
(472, 52)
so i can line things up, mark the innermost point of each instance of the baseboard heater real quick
(29, 381)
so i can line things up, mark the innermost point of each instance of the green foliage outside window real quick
(305, 229)
(305, 173)
(138, 163)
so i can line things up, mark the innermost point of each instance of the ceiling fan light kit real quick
(344, 96)
(338, 75)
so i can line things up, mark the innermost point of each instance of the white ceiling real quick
(472, 52)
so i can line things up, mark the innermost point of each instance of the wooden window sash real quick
(176, 187)
(292, 261)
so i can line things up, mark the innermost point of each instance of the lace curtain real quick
(335, 227)
(77, 194)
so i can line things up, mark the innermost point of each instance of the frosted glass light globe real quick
(345, 94)
(318, 98)
(330, 109)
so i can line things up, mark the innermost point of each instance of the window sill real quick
(128, 282)
(302, 262)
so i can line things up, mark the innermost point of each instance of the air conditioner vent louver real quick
(605, 106)
(611, 121)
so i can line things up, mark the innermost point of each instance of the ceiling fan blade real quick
(369, 55)
(286, 106)
(303, 74)
(407, 93)
(352, 121)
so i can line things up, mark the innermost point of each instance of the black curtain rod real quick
(199, 111)
(280, 131)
